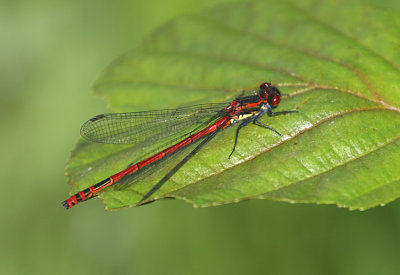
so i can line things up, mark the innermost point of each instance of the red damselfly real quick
(199, 123)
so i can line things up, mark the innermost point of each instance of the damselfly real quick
(199, 123)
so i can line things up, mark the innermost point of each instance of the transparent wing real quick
(151, 174)
(150, 126)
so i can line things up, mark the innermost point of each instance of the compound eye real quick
(265, 85)
(275, 100)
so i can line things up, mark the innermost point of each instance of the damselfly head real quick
(270, 93)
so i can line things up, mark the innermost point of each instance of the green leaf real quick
(338, 60)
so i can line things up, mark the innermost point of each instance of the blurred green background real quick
(50, 54)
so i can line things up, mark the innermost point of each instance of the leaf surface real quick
(338, 60)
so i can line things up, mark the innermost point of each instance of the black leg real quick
(244, 123)
(258, 123)
(271, 113)
(255, 119)
(282, 112)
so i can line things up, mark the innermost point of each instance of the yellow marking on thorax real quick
(244, 116)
